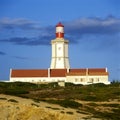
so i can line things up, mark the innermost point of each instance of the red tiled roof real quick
(89, 71)
(100, 71)
(97, 70)
(29, 73)
(39, 73)
(77, 72)
(57, 72)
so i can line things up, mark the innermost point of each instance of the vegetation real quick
(12, 100)
(69, 112)
(93, 92)
(65, 103)
(3, 98)
(33, 104)
(70, 96)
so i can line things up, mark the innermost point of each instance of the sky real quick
(28, 26)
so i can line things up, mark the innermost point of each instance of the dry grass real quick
(74, 101)
(18, 111)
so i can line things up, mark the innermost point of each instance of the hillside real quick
(49, 101)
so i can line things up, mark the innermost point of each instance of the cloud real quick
(21, 58)
(75, 30)
(2, 53)
(81, 26)
(93, 26)
(19, 23)
(41, 40)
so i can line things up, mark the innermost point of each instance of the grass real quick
(39, 91)
(67, 96)
(111, 115)
(52, 90)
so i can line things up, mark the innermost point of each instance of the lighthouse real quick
(60, 70)
(60, 59)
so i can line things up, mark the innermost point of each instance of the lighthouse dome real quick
(59, 25)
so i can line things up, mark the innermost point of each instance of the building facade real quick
(60, 68)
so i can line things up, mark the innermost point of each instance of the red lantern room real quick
(59, 30)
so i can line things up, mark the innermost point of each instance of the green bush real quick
(92, 104)
(69, 112)
(12, 100)
(68, 84)
(66, 103)
(90, 98)
(3, 98)
(33, 104)
(62, 112)
(53, 85)
(36, 100)
(15, 92)
(112, 105)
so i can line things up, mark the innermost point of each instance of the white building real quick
(60, 68)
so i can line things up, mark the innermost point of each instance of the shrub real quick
(68, 84)
(52, 85)
(62, 112)
(66, 103)
(33, 104)
(36, 100)
(15, 92)
(71, 113)
(111, 105)
(12, 100)
(3, 98)
(97, 85)
(89, 98)
(55, 108)
(92, 104)
(48, 107)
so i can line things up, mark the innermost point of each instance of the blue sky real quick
(91, 26)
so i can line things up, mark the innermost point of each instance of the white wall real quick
(87, 79)
(59, 54)
(73, 79)
(37, 79)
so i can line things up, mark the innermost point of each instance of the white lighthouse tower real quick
(60, 59)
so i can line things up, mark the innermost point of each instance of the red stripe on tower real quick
(59, 30)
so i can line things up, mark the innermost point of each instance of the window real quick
(81, 80)
(98, 80)
(59, 58)
(91, 80)
(59, 48)
(76, 80)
